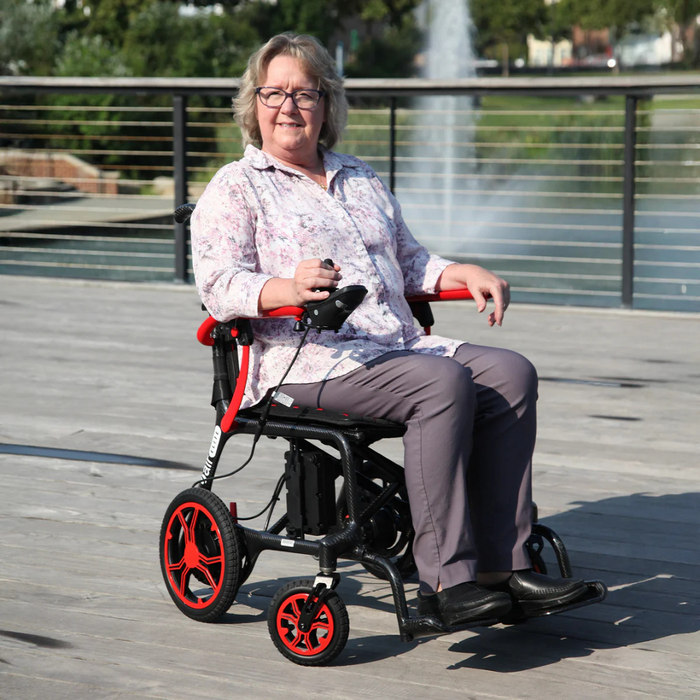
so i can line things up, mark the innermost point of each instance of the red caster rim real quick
(310, 643)
(198, 553)
(327, 633)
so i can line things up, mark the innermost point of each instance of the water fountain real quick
(444, 126)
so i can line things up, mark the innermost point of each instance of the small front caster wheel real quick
(327, 633)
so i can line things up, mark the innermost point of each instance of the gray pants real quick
(470, 434)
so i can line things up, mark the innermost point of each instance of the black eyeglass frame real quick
(320, 93)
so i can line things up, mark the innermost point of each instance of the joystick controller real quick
(329, 314)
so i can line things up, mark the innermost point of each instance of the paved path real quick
(84, 211)
(115, 369)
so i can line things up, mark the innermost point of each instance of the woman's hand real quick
(299, 291)
(312, 275)
(482, 284)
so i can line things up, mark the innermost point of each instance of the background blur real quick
(546, 189)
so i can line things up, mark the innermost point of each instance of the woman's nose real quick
(288, 106)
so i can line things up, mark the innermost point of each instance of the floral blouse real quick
(258, 219)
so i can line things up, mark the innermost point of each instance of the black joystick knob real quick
(327, 261)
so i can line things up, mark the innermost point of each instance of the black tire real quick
(200, 554)
(329, 629)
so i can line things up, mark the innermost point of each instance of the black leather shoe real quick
(531, 592)
(464, 603)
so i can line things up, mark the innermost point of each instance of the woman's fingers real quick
(498, 296)
(314, 280)
(484, 284)
(479, 299)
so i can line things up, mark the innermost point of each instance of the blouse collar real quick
(332, 162)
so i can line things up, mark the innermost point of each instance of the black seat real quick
(372, 428)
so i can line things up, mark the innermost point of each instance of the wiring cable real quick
(262, 422)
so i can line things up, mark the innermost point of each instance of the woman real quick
(259, 235)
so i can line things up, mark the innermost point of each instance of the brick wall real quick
(59, 166)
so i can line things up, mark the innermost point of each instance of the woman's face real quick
(289, 133)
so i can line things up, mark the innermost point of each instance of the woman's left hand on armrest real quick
(481, 283)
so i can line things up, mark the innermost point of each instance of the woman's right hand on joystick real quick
(314, 280)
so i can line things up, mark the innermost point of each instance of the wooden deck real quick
(115, 369)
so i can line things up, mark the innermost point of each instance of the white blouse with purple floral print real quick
(258, 219)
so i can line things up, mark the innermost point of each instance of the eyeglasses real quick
(275, 97)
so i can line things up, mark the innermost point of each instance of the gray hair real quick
(317, 63)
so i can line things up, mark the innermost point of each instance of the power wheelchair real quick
(206, 554)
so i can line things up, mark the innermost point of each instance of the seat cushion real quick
(326, 418)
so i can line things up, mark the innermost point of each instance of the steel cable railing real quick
(566, 200)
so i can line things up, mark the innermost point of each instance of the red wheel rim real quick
(193, 543)
(308, 643)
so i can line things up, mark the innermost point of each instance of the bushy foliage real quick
(28, 37)
(507, 21)
(390, 55)
(160, 41)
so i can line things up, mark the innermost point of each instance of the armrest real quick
(450, 295)
(297, 311)
(204, 331)
(420, 305)
(288, 311)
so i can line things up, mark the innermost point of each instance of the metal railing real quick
(577, 190)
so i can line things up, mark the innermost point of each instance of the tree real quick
(507, 22)
(320, 18)
(28, 37)
(161, 41)
(390, 55)
(391, 37)
(683, 14)
(618, 15)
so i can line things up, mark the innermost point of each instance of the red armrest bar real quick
(204, 332)
(298, 311)
(295, 311)
(450, 295)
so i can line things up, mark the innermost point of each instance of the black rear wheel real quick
(200, 554)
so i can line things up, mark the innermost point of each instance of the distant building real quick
(541, 54)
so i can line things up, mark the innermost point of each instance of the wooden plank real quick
(78, 540)
(481, 654)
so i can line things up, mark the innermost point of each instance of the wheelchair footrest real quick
(429, 626)
(597, 592)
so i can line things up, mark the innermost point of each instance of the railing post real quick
(628, 201)
(180, 177)
(392, 144)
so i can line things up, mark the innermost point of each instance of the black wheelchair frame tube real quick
(557, 546)
(216, 448)
(332, 545)
(397, 589)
